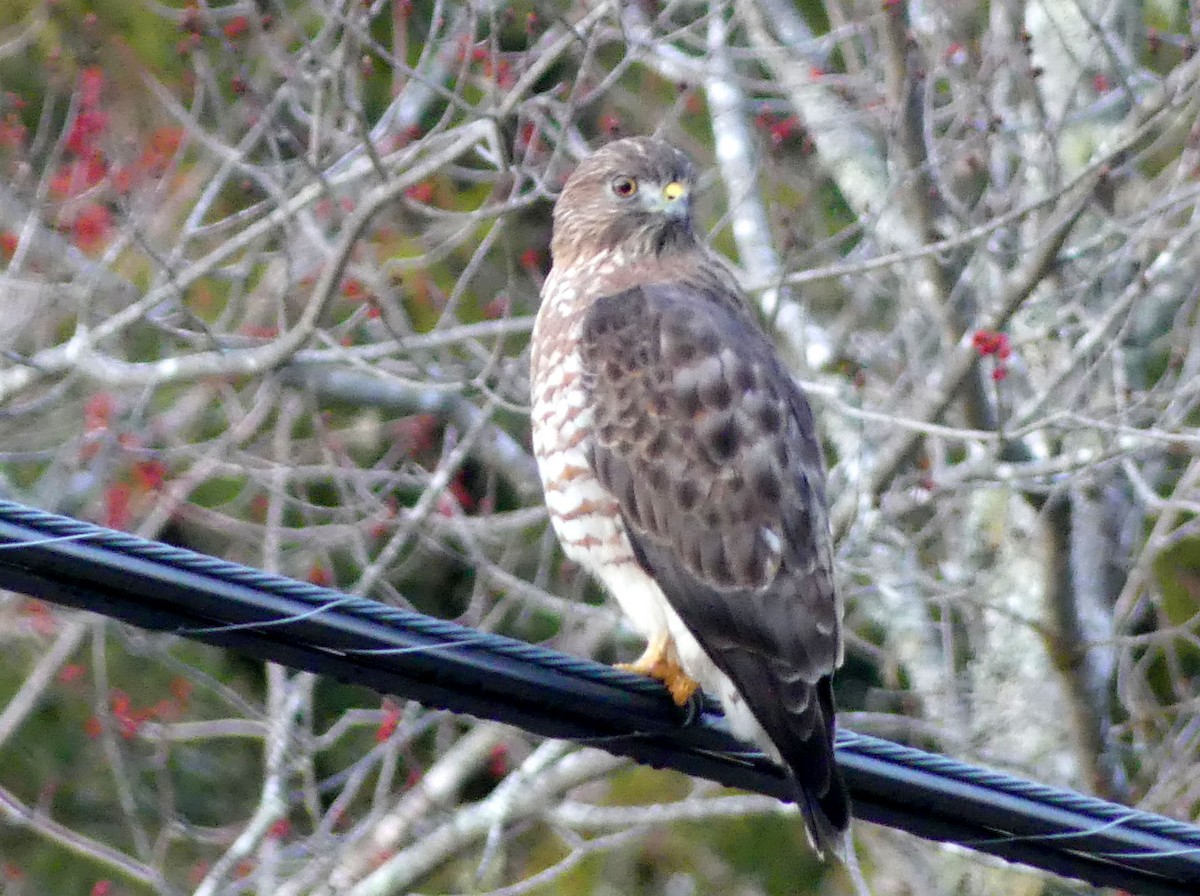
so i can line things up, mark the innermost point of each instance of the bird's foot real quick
(693, 710)
(660, 661)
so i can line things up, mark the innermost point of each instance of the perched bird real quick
(681, 466)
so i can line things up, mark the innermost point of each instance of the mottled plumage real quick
(682, 468)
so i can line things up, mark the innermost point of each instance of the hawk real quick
(681, 466)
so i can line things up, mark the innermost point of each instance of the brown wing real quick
(709, 447)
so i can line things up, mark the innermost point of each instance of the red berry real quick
(92, 227)
(422, 192)
(236, 27)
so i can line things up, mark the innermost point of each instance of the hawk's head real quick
(633, 193)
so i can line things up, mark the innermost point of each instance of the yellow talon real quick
(660, 662)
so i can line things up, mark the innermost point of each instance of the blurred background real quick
(268, 271)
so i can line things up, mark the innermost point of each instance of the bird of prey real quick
(681, 465)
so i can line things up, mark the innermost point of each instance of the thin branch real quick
(22, 816)
(1021, 284)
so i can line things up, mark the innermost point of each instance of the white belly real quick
(585, 517)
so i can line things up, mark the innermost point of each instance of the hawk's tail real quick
(826, 816)
(820, 791)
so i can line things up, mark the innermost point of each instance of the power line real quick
(442, 664)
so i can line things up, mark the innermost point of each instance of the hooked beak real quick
(673, 200)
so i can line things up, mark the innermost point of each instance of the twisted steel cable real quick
(442, 664)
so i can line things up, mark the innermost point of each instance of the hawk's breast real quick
(585, 516)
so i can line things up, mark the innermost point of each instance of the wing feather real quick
(709, 447)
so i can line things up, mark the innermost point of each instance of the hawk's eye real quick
(624, 186)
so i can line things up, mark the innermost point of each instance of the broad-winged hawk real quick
(681, 466)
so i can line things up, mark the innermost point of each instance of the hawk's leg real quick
(660, 661)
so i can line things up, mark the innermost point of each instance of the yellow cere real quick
(674, 190)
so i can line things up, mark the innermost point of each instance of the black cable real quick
(442, 664)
